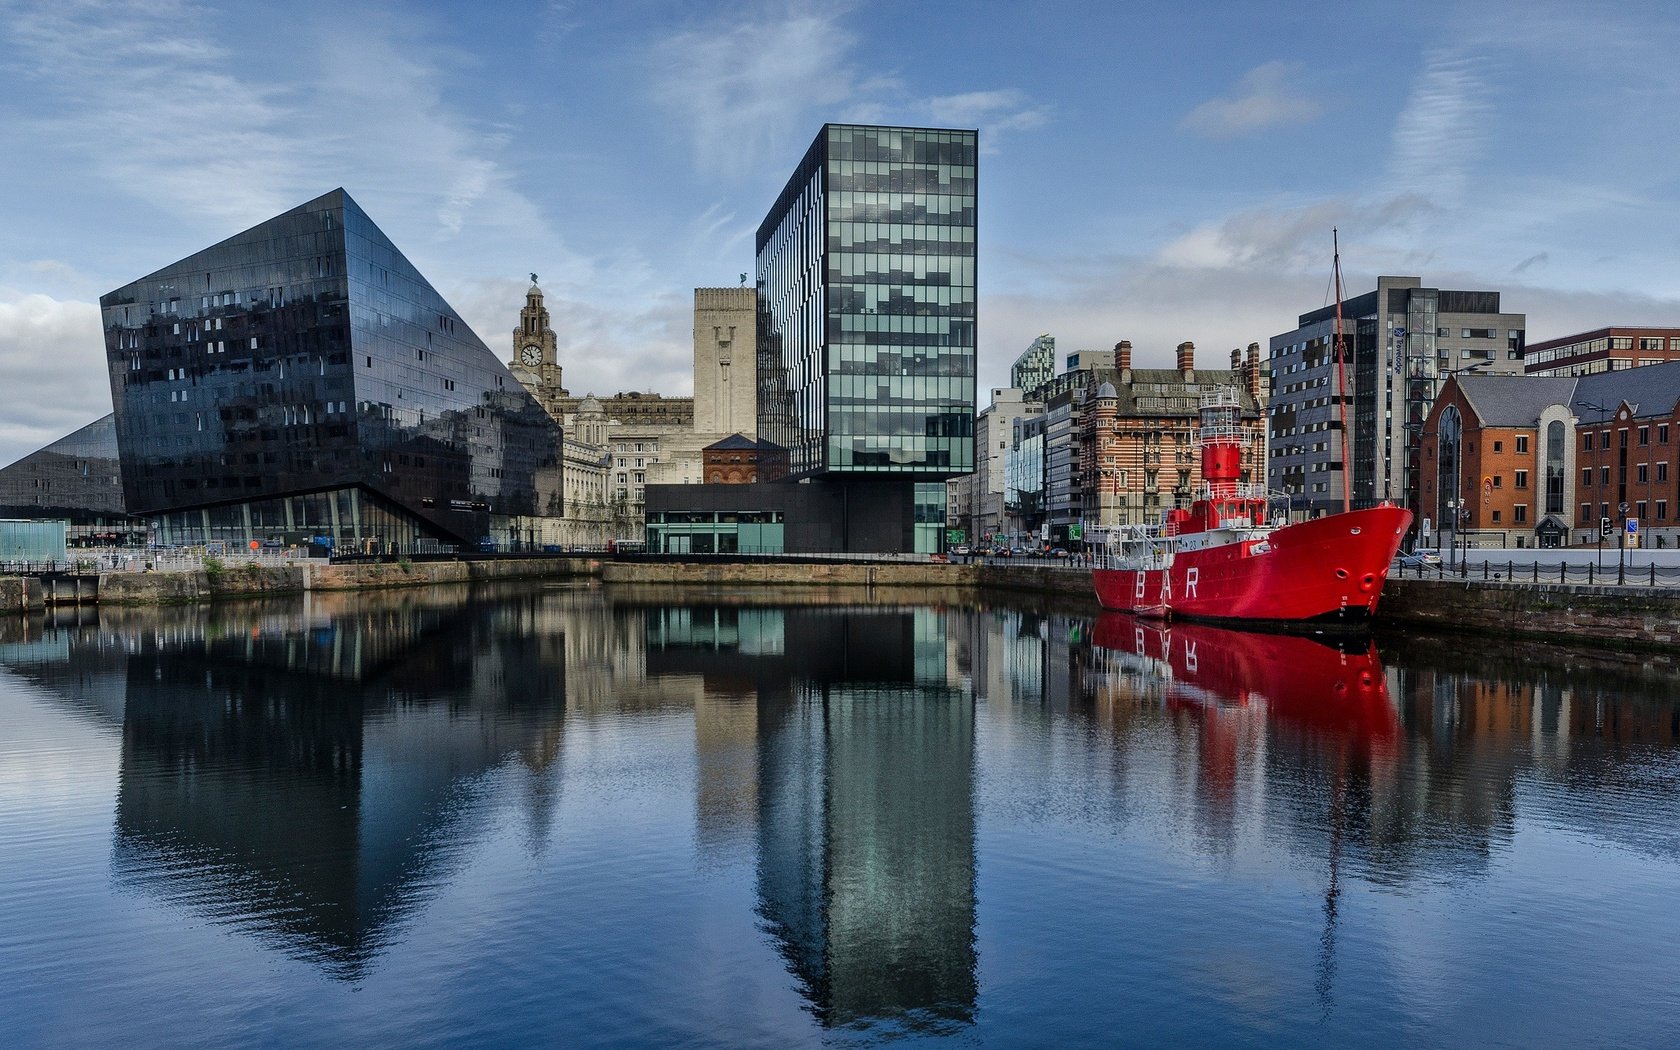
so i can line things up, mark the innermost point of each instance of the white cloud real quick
(1436, 139)
(993, 112)
(743, 87)
(1266, 97)
(179, 121)
(52, 353)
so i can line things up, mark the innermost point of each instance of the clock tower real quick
(534, 360)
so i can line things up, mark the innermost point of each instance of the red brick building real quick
(1602, 350)
(1135, 436)
(731, 461)
(1520, 461)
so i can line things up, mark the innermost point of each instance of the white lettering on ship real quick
(1190, 577)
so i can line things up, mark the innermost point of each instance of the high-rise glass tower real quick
(866, 283)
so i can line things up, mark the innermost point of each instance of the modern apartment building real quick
(866, 271)
(1035, 366)
(1402, 340)
(1602, 350)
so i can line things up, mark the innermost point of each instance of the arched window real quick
(1554, 467)
(1447, 473)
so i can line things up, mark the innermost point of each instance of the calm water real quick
(576, 818)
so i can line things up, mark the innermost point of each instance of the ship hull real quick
(1331, 568)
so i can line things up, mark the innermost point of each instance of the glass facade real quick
(866, 283)
(306, 357)
(77, 478)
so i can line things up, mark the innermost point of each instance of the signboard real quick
(956, 536)
(1076, 532)
(1633, 526)
(1428, 526)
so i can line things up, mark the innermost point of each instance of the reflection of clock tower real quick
(534, 361)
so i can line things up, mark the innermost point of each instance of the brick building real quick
(1541, 460)
(1135, 444)
(1602, 350)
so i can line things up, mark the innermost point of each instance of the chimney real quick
(1187, 359)
(1236, 360)
(1251, 372)
(1123, 360)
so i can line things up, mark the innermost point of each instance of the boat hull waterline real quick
(1331, 568)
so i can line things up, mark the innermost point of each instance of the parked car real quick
(1059, 552)
(1424, 559)
(961, 550)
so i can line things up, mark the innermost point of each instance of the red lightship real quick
(1224, 559)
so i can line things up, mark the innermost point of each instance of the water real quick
(564, 816)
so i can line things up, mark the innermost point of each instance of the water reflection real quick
(862, 790)
(854, 805)
(294, 769)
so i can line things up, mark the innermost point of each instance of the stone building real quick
(612, 443)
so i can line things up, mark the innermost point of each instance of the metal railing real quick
(1512, 571)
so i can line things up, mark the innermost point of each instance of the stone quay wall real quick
(1630, 618)
(1610, 617)
(177, 588)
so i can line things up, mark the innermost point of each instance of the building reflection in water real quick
(862, 792)
(295, 769)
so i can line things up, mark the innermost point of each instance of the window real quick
(1586, 513)
(1643, 471)
(1604, 439)
(1662, 510)
(1499, 481)
(1522, 479)
(1604, 475)
(1498, 447)
(1496, 517)
(1586, 442)
(1639, 509)
(1662, 433)
(1522, 443)
(1662, 471)
(1644, 435)
(1519, 513)
(1586, 477)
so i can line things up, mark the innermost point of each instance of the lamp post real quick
(1621, 544)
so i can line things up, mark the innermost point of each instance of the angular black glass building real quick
(77, 478)
(302, 382)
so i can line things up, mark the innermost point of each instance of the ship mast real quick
(1341, 371)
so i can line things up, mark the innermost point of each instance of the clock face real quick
(531, 355)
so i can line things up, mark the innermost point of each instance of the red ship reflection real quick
(1333, 686)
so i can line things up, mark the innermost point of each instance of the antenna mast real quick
(1341, 371)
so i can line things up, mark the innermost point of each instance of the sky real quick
(1157, 172)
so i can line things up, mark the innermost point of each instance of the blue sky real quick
(1151, 171)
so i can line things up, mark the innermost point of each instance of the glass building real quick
(301, 382)
(77, 478)
(866, 291)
